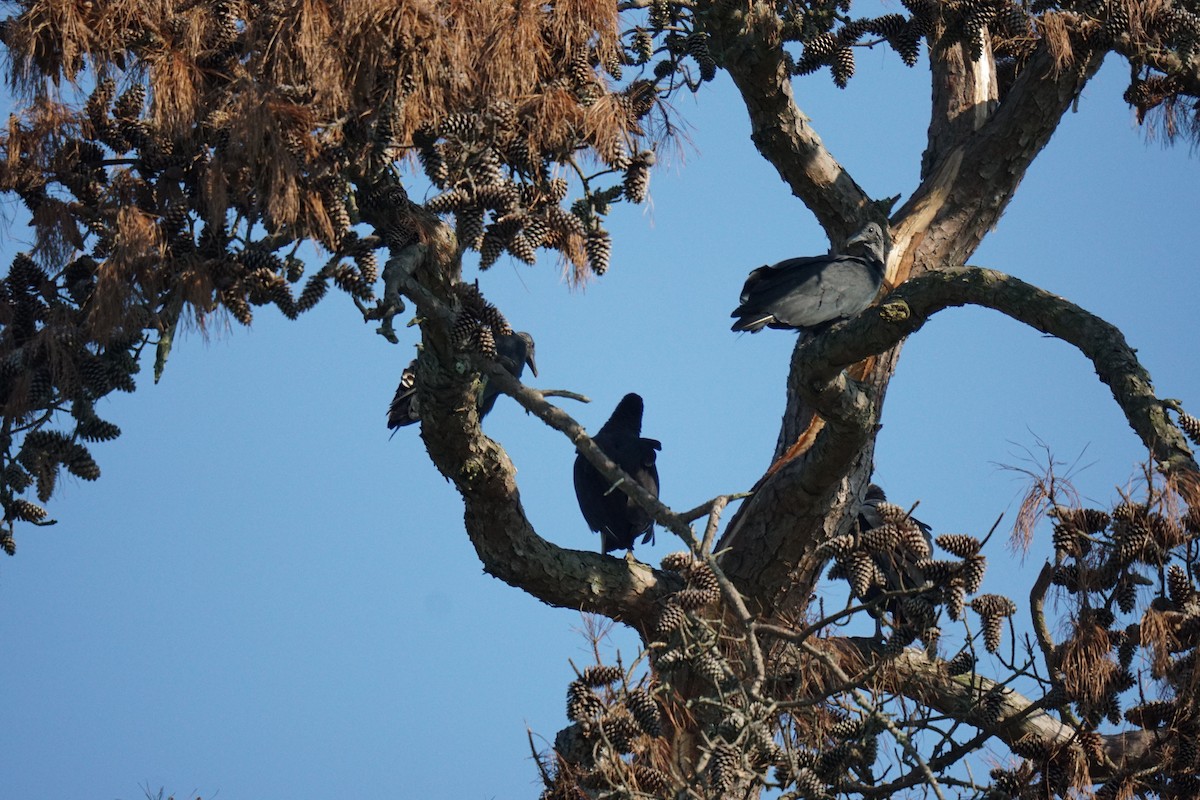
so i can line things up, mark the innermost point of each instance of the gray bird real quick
(607, 509)
(813, 291)
(513, 352)
(899, 568)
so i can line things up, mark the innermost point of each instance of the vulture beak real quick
(862, 237)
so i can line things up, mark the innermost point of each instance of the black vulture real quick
(607, 509)
(513, 352)
(899, 563)
(810, 292)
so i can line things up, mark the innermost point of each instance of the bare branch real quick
(1018, 716)
(873, 711)
(1037, 613)
(906, 310)
(533, 401)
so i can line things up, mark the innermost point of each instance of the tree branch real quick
(777, 530)
(504, 539)
(965, 95)
(747, 42)
(532, 401)
(905, 310)
(1016, 717)
(968, 184)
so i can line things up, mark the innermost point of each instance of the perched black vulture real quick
(607, 509)
(513, 352)
(899, 566)
(809, 292)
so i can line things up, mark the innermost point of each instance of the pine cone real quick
(522, 249)
(883, 539)
(862, 573)
(620, 729)
(448, 201)
(645, 711)
(993, 630)
(837, 547)
(637, 177)
(642, 46)
(469, 227)
(601, 675)
(1132, 540)
(723, 768)
(994, 605)
(669, 619)
(1179, 585)
(667, 660)
(460, 125)
(582, 703)
(938, 570)
(959, 544)
(820, 47)
(955, 599)
(1191, 426)
(1067, 539)
(962, 663)
(651, 780)
(912, 539)
(842, 66)
(973, 571)
(703, 578)
(680, 561)
(1126, 594)
(692, 599)
(712, 667)
(313, 291)
(990, 707)
(599, 250)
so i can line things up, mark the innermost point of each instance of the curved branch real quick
(908, 307)
(778, 528)
(504, 539)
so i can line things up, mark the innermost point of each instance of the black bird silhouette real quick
(900, 569)
(607, 509)
(513, 352)
(813, 291)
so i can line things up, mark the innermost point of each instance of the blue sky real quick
(263, 597)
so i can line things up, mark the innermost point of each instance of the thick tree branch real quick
(777, 529)
(964, 96)
(747, 40)
(968, 184)
(1014, 716)
(907, 309)
(504, 539)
